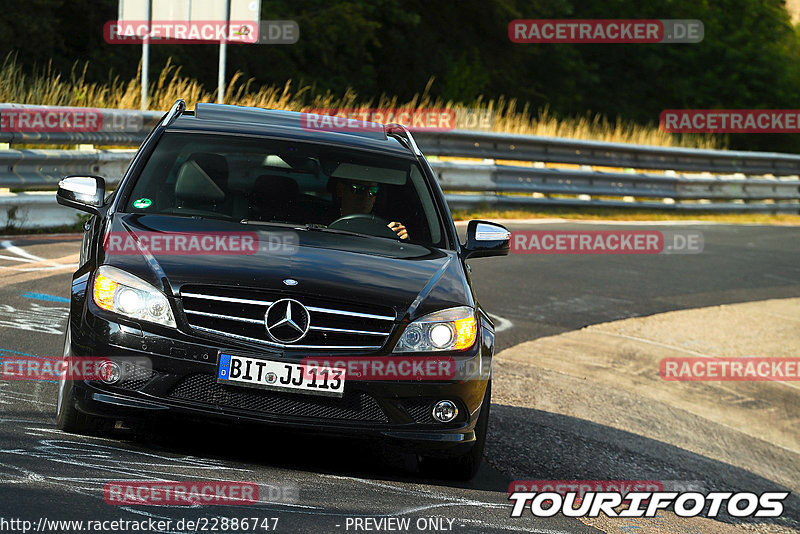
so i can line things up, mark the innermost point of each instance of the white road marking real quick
(34, 317)
(36, 269)
(26, 257)
(9, 246)
(450, 500)
(96, 458)
(64, 452)
(501, 323)
(426, 507)
(15, 258)
(6, 393)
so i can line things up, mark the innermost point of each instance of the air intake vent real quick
(204, 389)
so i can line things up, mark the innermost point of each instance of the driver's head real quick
(355, 196)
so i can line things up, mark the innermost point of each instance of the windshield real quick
(262, 181)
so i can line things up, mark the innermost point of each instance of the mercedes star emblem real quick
(287, 321)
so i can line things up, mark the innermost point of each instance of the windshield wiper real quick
(305, 226)
(270, 223)
(323, 228)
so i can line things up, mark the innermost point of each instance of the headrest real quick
(195, 183)
(215, 165)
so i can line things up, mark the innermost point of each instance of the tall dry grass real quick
(48, 87)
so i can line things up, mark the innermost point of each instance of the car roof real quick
(251, 121)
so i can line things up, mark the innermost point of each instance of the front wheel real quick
(464, 466)
(68, 418)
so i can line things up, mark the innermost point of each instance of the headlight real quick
(120, 292)
(451, 329)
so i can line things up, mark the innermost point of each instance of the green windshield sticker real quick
(142, 203)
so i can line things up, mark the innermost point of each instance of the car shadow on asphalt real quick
(523, 444)
(265, 446)
(529, 444)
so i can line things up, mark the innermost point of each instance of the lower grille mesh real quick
(420, 410)
(202, 388)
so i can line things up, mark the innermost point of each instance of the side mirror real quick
(85, 193)
(486, 238)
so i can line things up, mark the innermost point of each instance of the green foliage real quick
(750, 57)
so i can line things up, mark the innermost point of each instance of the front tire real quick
(68, 418)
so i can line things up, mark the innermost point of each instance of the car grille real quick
(137, 378)
(420, 410)
(239, 313)
(353, 406)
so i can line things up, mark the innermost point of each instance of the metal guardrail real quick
(42, 169)
(690, 179)
(37, 209)
(121, 127)
(493, 145)
(715, 193)
(99, 126)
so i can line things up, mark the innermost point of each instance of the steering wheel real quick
(364, 223)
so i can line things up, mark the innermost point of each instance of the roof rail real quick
(174, 112)
(402, 131)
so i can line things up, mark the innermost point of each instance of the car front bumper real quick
(182, 383)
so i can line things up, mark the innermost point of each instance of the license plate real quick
(280, 376)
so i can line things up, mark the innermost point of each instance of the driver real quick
(351, 197)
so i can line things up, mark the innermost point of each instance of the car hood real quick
(412, 279)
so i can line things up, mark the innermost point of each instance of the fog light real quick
(445, 411)
(109, 372)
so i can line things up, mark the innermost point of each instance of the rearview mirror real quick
(85, 193)
(486, 238)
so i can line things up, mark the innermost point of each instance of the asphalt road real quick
(544, 295)
(47, 474)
